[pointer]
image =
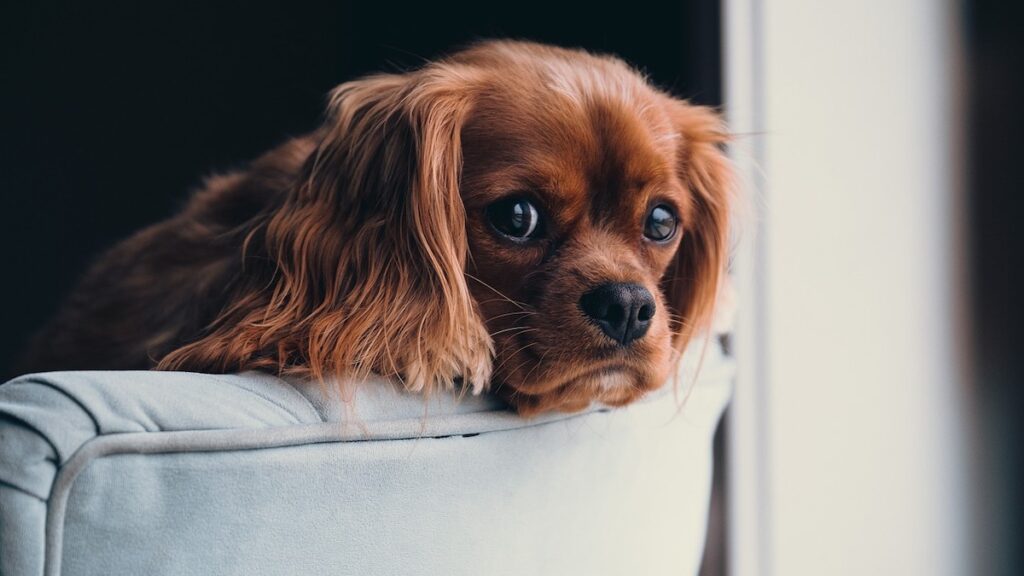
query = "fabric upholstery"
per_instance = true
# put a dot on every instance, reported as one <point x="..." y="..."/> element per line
<point x="177" y="473"/>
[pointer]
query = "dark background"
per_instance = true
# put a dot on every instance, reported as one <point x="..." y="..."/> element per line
<point x="995" y="185"/>
<point x="111" y="111"/>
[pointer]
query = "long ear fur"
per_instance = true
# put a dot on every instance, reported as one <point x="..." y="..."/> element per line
<point x="363" y="264"/>
<point x="693" y="280"/>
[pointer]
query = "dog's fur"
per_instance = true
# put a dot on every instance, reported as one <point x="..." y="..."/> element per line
<point x="363" y="247"/>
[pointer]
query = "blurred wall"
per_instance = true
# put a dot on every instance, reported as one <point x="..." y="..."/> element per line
<point x="851" y="407"/>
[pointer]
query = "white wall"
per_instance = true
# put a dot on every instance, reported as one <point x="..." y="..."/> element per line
<point x="847" y="437"/>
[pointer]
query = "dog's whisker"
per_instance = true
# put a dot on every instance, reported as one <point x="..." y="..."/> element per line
<point x="535" y="366"/>
<point x="518" y="313"/>
<point x="519" y="367"/>
<point x="513" y="355"/>
<point x="516" y="329"/>
<point x="488" y="301"/>
<point x="520" y="305"/>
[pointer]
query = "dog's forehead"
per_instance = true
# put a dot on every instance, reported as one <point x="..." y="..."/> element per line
<point x="603" y="151"/>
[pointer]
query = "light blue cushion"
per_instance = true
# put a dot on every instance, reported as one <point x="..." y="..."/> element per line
<point x="176" y="473"/>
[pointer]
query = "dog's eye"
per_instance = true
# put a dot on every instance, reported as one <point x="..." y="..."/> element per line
<point x="516" y="218"/>
<point x="660" y="224"/>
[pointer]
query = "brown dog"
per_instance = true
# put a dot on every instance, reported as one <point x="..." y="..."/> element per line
<point x="533" y="216"/>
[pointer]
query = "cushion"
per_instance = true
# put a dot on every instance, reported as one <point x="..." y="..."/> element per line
<point x="178" y="473"/>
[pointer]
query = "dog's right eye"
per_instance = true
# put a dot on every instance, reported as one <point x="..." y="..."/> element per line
<point x="515" y="218"/>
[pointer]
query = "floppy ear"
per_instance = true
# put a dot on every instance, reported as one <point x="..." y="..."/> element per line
<point x="368" y="250"/>
<point x="692" y="281"/>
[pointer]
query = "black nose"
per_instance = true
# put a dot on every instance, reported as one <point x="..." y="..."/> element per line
<point x="623" y="311"/>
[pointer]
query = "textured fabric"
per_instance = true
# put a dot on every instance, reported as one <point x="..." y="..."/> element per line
<point x="177" y="473"/>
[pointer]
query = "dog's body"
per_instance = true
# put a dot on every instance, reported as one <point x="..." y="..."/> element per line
<point x="537" y="215"/>
<point x="159" y="289"/>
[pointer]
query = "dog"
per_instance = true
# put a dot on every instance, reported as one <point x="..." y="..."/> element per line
<point x="535" y="219"/>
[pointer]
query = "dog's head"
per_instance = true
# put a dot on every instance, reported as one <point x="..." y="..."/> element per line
<point x="536" y="217"/>
<point x="596" y="214"/>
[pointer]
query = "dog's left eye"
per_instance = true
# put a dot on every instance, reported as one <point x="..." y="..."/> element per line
<point x="516" y="218"/>
<point x="661" y="223"/>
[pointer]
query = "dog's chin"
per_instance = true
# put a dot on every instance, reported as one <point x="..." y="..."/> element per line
<point x="611" y="385"/>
